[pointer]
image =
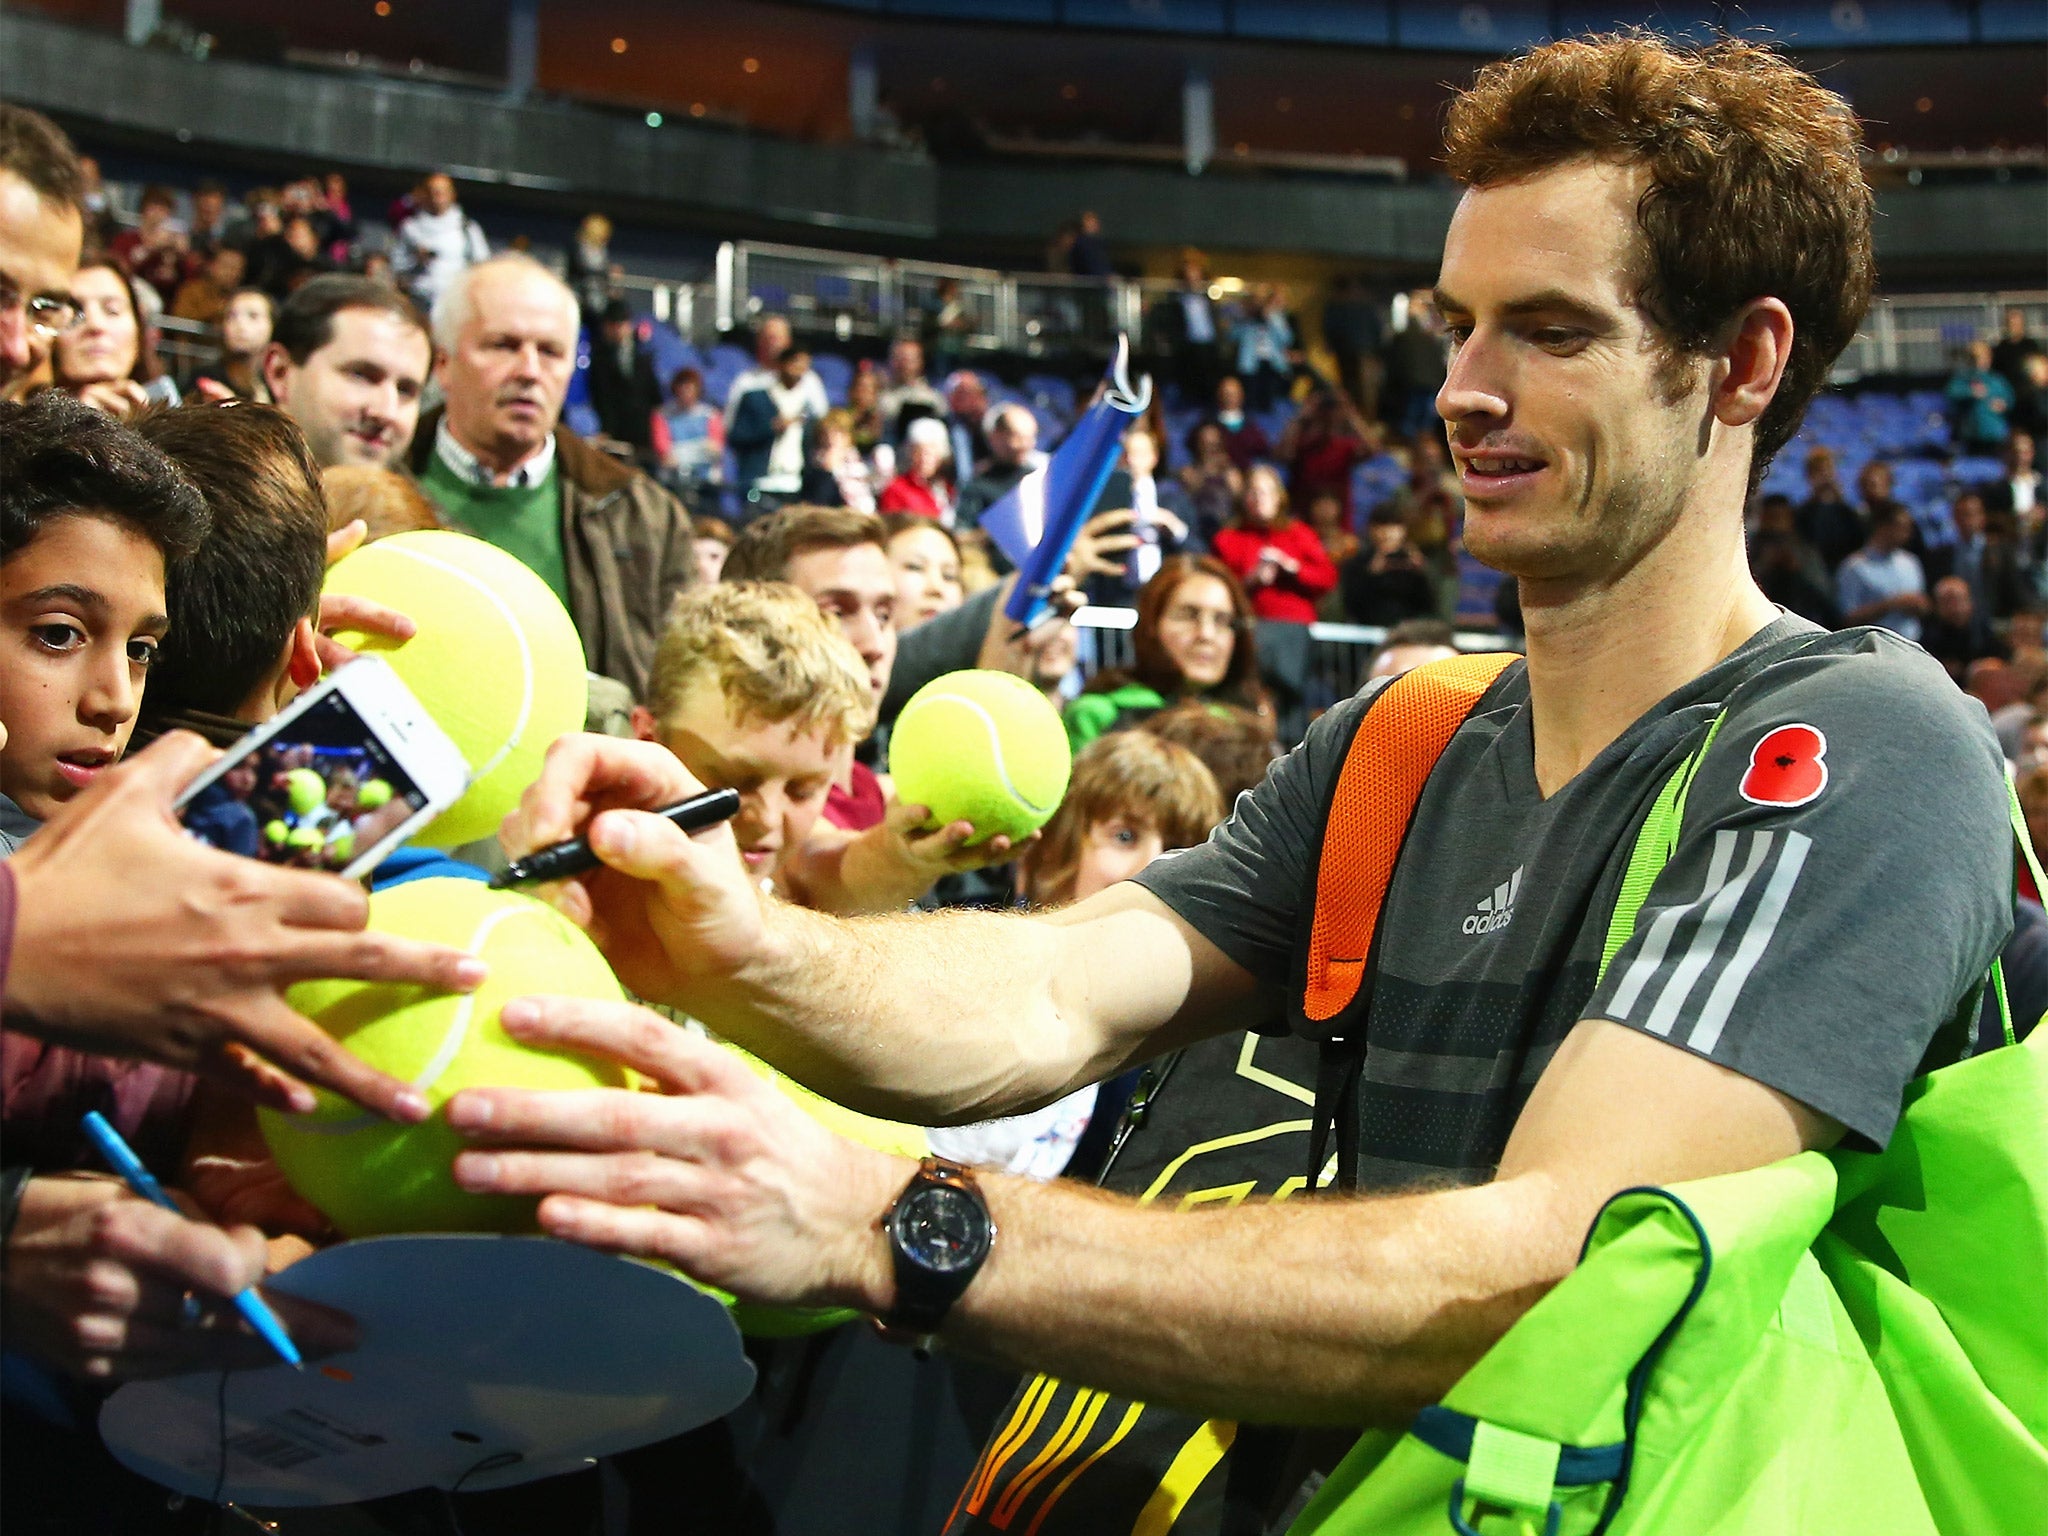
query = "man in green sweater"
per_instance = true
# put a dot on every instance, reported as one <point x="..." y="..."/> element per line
<point x="614" y="546"/>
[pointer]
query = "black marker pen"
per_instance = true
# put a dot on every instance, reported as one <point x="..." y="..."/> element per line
<point x="562" y="860"/>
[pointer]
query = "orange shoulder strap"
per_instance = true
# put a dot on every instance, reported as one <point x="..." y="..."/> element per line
<point x="1403" y="733"/>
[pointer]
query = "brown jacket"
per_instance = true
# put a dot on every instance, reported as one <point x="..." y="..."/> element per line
<point x="626" y="543"/>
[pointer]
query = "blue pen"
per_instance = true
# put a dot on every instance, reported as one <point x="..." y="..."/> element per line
<point x="121" y="1157"/>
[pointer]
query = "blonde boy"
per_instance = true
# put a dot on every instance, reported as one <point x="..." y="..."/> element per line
<point x="755" y="690"/>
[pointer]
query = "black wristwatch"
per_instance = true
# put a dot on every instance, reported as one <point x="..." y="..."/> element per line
<point x="939" y="1235"/>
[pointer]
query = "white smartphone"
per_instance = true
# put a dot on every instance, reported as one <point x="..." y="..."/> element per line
<point x="341" y="776"/>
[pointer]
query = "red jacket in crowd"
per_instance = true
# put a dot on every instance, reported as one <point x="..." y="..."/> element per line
<point x="1290" y="595"/>
<point x="904" y="494"/>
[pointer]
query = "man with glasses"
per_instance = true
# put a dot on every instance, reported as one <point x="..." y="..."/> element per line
<point x="41" y="230"/>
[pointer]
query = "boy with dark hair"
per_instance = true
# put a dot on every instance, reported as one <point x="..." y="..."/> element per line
<point x="243" y="608"/>
<point x="91" y="519"/>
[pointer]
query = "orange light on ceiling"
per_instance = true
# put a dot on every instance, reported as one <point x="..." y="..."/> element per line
<point x="751" y="66"/>
<point x="618" y="45"/>
<point x="1924" y="104"/>
<point x="1069" y="92"/>
<point x="1284" y="104"/>
<point x="382" y="7"/>
<point x="696" y="109"/>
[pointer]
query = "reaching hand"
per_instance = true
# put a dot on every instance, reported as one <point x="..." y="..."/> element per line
<point x="667" y="905"/>
<point x="343" y="610"/>
<point x="1006" y="648"/>
<point x="134" y="939"/>
<point x="894" y="862"/>
<point x="1098" y="542"/>
<point x="118" y="398"/>
<point x="718" y="1171"/>
<point x="105" y="1285"/>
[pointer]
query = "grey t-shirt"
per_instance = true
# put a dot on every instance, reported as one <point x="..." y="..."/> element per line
<point x="1840" y="887"/>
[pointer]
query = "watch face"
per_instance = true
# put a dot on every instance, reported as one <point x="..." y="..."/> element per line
<point x="941" y="1229"/>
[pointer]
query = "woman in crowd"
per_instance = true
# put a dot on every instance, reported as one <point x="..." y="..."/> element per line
<point x="1193" y="640"/>
<point x="920" y="490"/>
<point x="927" y="563"/>
<point x="245" y="328"/>
<point x="1279" y="559"/>
<point x="108" y="360"/>
<point x="864" y="405"/>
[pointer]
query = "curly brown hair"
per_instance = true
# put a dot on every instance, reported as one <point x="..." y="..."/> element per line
<point x="1755" y="189"/>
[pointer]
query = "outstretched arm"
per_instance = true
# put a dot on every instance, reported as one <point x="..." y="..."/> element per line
<point x="1351" y="1311"/>
<point x="938" y="1017"/>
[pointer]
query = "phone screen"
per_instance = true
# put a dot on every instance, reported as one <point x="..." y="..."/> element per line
<point x="321" y="791"/>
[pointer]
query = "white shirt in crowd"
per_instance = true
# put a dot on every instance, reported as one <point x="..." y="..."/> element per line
<point x="785" y="476"/>
<point x="432" y="247"/>
<point x="811" y="386"/>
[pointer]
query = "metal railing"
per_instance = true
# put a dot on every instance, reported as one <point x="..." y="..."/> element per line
<point x="186" y="347"/>
<point x="1038" y="314"/>
<point x="1923" y="332"/>
<point x="976" y="309"/>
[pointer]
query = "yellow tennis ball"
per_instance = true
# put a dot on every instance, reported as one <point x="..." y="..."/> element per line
<point x="983" y="747"/>
<point x="368" y="1175"/>
<point x="497" y="662"/>
<point x="372" y="793"/>
<point x="305" y="789"/>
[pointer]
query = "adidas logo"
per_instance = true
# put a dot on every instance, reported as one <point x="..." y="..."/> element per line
<point x="1495" y="912"/>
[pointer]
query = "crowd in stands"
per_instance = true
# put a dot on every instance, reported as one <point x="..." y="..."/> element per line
<point x="1325" y="496"/>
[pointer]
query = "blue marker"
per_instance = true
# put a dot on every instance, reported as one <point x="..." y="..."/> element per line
<point x="121" y="1157"/>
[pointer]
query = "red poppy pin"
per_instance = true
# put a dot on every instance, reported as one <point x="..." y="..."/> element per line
<point x="1788" y="767"/>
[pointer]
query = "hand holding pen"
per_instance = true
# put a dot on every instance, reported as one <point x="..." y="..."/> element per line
<point x="564" y="860"/>
<point x="191" y="1315"/>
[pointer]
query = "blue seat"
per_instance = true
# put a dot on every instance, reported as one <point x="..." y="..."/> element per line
<point x="835" y="373"/>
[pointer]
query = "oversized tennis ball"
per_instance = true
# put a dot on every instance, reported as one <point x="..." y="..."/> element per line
<point x="276" y="832"/>
<point x="368" y="1175"/>
<point x="983" y="747"/>
<point x="305" y="789"/>
<point x="305" y="837"/>
<point x="372" y="793"/>
<point x="496" y="663"/>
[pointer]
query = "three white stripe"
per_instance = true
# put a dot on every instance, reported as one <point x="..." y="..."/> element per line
<point x="1713" y="913"/>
